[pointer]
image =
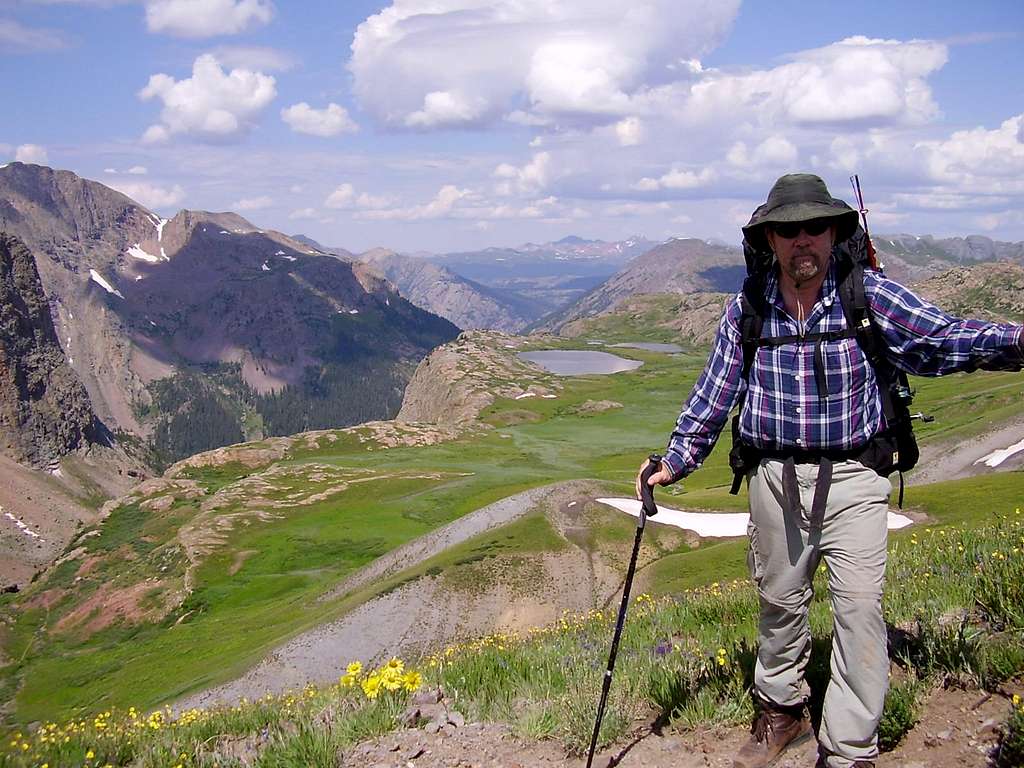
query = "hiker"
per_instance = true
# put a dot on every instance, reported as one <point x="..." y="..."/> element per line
<point x="817" y="437"/>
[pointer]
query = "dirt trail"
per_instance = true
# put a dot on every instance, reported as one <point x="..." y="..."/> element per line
<point x="958" y="729"/>
<point x="956" y="460"/>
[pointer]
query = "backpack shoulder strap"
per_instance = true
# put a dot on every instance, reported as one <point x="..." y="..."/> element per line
<point x="858" y="318"/>
<point x="752" y="312"/>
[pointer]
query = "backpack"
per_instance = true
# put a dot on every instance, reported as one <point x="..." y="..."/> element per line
<point x="894" y="449"/>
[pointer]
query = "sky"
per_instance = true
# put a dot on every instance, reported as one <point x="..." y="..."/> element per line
<point x="450" y="125"/>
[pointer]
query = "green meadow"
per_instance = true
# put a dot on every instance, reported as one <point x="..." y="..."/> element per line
<point x="273" y="549"/>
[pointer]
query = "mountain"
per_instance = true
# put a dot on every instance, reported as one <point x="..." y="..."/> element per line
<point x="549" y="275"/>
<point x="437" y="289"/>
<point x="911" y="258"/>
<point x="683" y="266"/>
<point x="45" y="411"/>
<point x="341" y="253"/>
<point x="56" y="458"/>
<point x="676" y="266"/>
<point x="987" y="291"/>
<point x="204" y="329"/>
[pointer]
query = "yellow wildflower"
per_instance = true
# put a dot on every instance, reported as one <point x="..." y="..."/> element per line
<point x="371" y="686"/>
<point x="412" y="681"/>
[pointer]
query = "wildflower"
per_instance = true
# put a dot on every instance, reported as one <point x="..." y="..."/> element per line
<point x="371" y="686"/>
<point x="412" y="681"/>
<point x="355" y="668"/>
<point x="90" y="755"/>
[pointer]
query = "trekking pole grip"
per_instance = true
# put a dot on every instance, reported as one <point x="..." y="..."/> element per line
<point x="649" y="508"/>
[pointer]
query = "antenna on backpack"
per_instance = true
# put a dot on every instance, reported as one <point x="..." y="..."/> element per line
<point x="872" y="257"/>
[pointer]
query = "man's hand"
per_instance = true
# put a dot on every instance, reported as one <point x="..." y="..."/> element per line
<point x="661" y="476"/>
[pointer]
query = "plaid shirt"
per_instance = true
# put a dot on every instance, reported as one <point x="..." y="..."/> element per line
<point x="783" y="409"/>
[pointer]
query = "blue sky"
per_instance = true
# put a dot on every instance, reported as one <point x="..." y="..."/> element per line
<point x="440" y="125"/>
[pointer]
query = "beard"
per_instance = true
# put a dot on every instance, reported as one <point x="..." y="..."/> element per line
<point x="804" y="265"/>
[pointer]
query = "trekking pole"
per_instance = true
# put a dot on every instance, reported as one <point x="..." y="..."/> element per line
<point x="647" y="509"/>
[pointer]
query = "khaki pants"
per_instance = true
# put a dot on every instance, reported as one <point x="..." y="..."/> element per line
<point x="786" y="546"/>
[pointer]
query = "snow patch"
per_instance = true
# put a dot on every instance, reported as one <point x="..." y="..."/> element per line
<point x="137" y="278"/>
<point x="549" y="397"/>
<point x="265" y="268"/>
<point x="22" y="527"/>
<point x="279" y="253"/>
<point x="526" y="394"/>
<point x="223" y="232"/>
<point x="353" y="311"/>
<point x="136" y="252"/>
<point x="996" y="458"/>
<point x="291" y="258"/>
<point x="160" y="238"/>
<point x="98" y="279"/>
<point x="714" y="524"/>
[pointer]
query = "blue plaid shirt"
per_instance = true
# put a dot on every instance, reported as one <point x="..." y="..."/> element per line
<point x="783" y="409"/>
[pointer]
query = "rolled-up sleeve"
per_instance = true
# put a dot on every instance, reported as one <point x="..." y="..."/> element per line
<point x="714" y="395"/>
<point x="923" y="340"/>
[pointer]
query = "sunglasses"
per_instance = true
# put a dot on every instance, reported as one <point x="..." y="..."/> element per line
<point x="791" y="229"/>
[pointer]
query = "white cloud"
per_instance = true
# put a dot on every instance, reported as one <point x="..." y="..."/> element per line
<point x="331" y="121"/>
<point x="302" y="214"/>
<point x="17" y="38"/>
<point x="150" y="195"/>
<point x="676" y="178"/>
<point x="773" y="151"/>
<point x="31" y="153"/>
<point x="135" y="170"/>
<point x="856" y="80"/>
<point x="440" y="63"/>
<point x="979" y="159"/>
<point x="444" y="108"/>
<point x="252" y="203"/>
<point x="211" y="104"/>
<point x="441" y="206"/>
<point x="629" y="131"/>
<point x="206" y="18"/>
<point x="345" y="197"/>
<point x="528" y="179"/>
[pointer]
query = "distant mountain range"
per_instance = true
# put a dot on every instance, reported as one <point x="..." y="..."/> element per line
<point x="203" y="330"/>
<point x="685" y="266"/>
<point x="503" y="289"/>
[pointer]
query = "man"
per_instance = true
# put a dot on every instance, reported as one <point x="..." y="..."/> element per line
<point x="810" y="413"/>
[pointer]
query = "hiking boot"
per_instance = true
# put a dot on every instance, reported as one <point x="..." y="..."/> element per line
<point x="774" y="730"/>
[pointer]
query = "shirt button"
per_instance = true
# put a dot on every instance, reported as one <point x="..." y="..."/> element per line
<point x="796" y="376"/>
<point x="799" y="441"/>
<point x="798" y="409"/>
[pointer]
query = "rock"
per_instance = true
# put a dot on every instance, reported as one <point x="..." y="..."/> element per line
<point x="45" y="412"/>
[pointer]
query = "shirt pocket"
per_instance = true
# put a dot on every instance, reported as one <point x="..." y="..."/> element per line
<point x="845" y="368"/>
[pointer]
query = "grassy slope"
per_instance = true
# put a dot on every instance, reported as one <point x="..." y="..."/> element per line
<point x="233" y="619"/>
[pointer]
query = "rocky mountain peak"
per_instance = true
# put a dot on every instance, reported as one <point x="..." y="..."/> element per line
<point x="44" y="409"/>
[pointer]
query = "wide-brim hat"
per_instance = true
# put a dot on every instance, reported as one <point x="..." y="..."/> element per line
<point x="799" y="197"/>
